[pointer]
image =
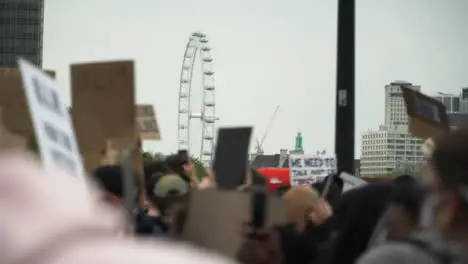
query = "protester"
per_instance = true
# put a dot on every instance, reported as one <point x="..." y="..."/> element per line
<point x="353" y="221"/>
<point x="334" y="191"/>
<point x="304" y="211"/>
<point x="168" y="190"/>
<point x="56" y="218"/>
<point x="110" y="179"/>
<point x="447" y="240"/>
<point x="263" y="246"/>
<point x="402" y="217"/>
<point x="183" y="166"/>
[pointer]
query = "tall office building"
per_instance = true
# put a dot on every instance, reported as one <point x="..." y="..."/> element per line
<point x="456" y="106"/>
<point x="451" y="102"/>
<point x="395" y="109"/>
<point x="391" y="147"/>
<point x="21" y="31"/>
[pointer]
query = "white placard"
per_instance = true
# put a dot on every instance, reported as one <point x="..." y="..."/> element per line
<point x="52" y="123"/>
<point x="350" y="181"/>
<point x="307" y="169"/>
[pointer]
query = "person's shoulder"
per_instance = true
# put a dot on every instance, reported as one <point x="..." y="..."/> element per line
<point x="400" y="253"/>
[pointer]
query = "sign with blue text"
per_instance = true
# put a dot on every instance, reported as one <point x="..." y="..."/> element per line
<point x="307" y="169"/>
<point x="52" y="123"/>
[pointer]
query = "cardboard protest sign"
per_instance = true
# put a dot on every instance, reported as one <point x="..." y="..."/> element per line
<point x="146" y="123"/>
<point x="427" y="116"/>
<point x="222" y="213"/>
<point x="16" y="117"/>
<point x="231" y="156"/>
<point x="103" y="107"/>
<point x="52" y="123"/>
<point x="307" y="169"/>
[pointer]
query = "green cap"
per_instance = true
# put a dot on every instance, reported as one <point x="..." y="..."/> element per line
<point x="170" y="185"/>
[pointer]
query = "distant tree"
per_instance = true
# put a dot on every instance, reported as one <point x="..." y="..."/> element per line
<point x="199" y="168"/>
<point x="147" y="156"/>
<point x="158" y="156"/>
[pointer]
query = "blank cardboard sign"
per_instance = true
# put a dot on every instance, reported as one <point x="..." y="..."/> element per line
<point x="16" y="117"/>
<point x="214" y="219"/>
<point x="231" y="155"/>
<point x="103" y="106"/>
<point x="146" y="123"/>
<point x="427" y="116"/>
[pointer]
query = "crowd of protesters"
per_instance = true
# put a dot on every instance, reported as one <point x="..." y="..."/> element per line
<point x="412" y="219"/>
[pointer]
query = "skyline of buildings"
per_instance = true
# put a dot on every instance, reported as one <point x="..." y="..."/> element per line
<point x="390" y="147"/>
<point x="21" y="31"/>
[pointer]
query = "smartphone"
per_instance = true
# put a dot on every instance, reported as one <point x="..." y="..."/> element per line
<point x="259" y="205"/>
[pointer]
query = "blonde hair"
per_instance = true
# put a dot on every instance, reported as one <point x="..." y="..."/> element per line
<point x="304" y="198"/>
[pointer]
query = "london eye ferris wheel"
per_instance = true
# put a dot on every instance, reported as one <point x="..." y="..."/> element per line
<point x="197" y="45"/>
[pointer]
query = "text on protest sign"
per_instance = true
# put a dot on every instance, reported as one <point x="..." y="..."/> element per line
<point x="307" y="169"/>
<point x="146" y="122"/>
<point x="52" y="124"/>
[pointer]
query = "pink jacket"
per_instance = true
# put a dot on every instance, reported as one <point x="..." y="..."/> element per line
<point x="55" y="219"/>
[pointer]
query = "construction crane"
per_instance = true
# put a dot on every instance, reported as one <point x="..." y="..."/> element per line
<point x="259" y="143"/>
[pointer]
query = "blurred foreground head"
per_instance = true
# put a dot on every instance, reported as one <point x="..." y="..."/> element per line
<point x="302" y="203"/>
<point x="450" y="165"/>
<point x="53" y="218"/>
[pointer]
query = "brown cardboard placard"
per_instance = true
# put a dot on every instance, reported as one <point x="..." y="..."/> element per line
<point x="147" y="123"/>
<point x="16" y="117"/>
<point x="103" y="106"/>
<point x="215" y="218"/>
<point x="9" y="140"/>
<point x="427" y="117"/>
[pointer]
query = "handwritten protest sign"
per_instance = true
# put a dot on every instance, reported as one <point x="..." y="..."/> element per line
<point x="15" y="112"/>
<point x="103" y="107"/>
<point x="307" y="169"/>
<point x="427" y="116"/>
<point x="51" y="121"/>
<point x="146" y="122"/>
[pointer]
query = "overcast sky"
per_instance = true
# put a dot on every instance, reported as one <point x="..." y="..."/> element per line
<point x="266" y="53"/>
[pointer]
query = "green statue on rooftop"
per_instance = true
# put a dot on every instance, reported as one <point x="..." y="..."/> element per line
<point x="298" y="146"/>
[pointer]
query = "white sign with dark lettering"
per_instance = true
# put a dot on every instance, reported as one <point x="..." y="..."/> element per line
<point x="307" y="169"/>
<point x="52" y="123"/>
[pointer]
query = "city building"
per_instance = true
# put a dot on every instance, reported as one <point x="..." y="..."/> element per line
<point x="21" y="31"/>
<point x="450" y="101"/>
<point x="456" y="106"/>
<point x="457" y="119"/>
<point x="386" y="150"/>
<point x="395" y="109"/>
<point x="281" y="160"/>
<point x="391" y="147"/>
